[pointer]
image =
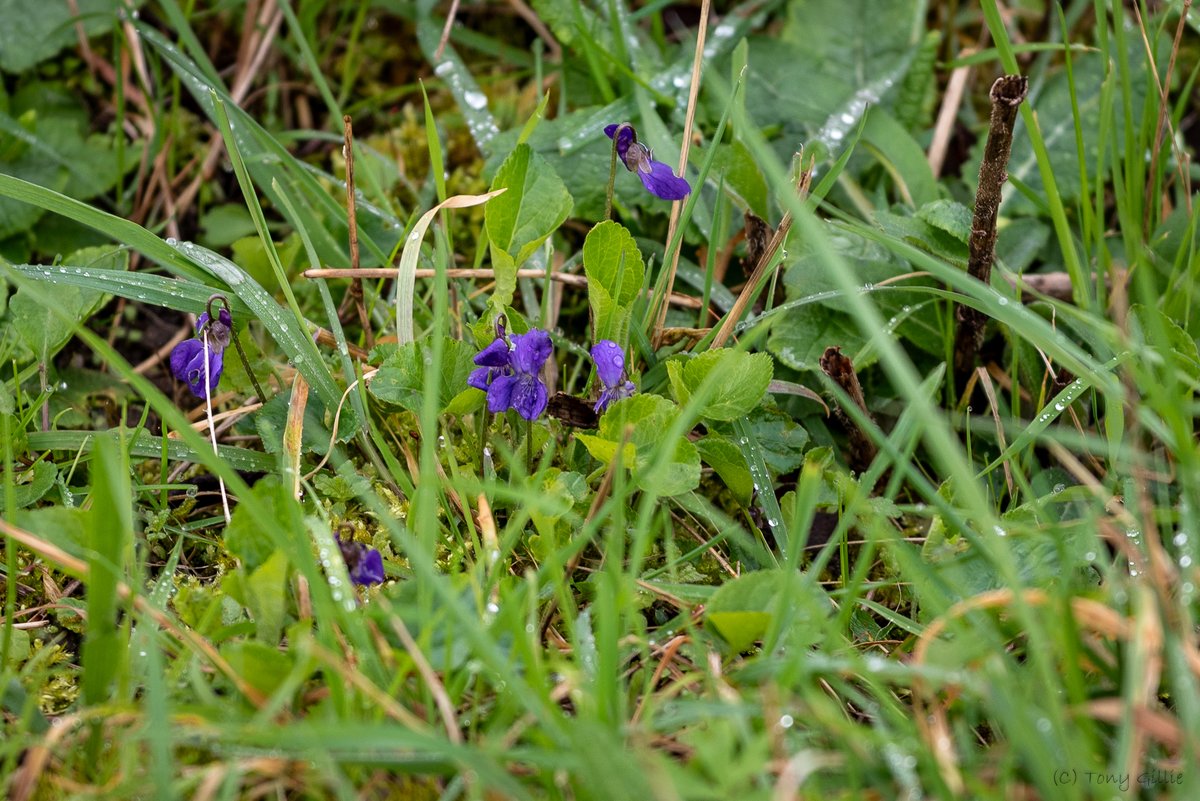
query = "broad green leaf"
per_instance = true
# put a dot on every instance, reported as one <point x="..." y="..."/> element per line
<point x="66" y="527"/>
<point x="803" y="334"/>
<point x="799" y="339"/>
<point x="742" y="176"/>
<point x="35" y="31"/>
<point x="245" y="536"/>
<point x="727" y="460"/>
<point x="521" y="219"/>
<point x="743" y="610"/>
<point x="781" y="438"/>
<point x="222" y="225"/>
<point x="46" y="140"/>
<point x="560" y="492"/>
<point x="266" y="589"/>
<point x="925" y="234"/>
<point x="851" y="54"/>
<point x="263" y="667"/>
<point x="950" y="216"/>
<point x="615" y="271"/>
<point x="647" y="417"/>
<point x="741" y="381"/>
<point x="903" y="157"/>
<point x="401" y="377"/>
<point x="45" y="320"/>
<point x="271" y="420"/>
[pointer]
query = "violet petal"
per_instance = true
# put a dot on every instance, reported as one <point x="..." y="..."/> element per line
<point x="661" y="182"/>
<point x="627" y="138"/>
<point x="369" y="569"/>
<point x="494" y="355"/>
<point x="529" y="396"/>
<point x="480" y="378"/>
<point x="500" y="392"/>
<point x="610" y="362"/>
<point x="182" y="356"/>
<point x="530" y="351"/>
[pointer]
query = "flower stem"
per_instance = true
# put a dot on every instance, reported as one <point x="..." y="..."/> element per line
<point x="529" y="446"/>
<point x="612" y="170"/>
<point x="262" y="397"/>
<point x="212" y="431"/>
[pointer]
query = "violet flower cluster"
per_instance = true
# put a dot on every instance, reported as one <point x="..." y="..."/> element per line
<point x="510" y="372"/>
<point x="188" y="359"/>
<point x="658" y="178"/>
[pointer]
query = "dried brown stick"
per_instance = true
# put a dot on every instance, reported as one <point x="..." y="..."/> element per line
<point x="1007" y="93"/>
<point x="354" y="295"/>
<point x="445" y="37"/>
<point x="570" y="279"/>
<point x="840" y="370"/>
<point x="750" y="289"/>
<point x="660" y="313"/>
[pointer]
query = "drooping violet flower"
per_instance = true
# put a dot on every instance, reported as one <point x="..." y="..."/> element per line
<point x="658" y="178"/>
<point x="610" y="368"/>
<point x="364" y="563"/>
<point x="521" y="387"/>
<point x="212" y="337"/>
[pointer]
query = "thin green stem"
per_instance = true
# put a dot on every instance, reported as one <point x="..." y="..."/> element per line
<point x="612" y="168"/>
<point x="258" y="390"/>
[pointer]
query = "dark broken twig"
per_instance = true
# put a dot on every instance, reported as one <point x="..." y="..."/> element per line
<point x="1007" y="93"/>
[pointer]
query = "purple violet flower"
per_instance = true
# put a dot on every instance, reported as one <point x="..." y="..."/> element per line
<point x="188" y="357"/>
<point x="658" y="178"/>
<point x="520" y="387"/>
<point x="610" y="368"/>
<point x="364" y="563"/>
<point x="493" y="361"/>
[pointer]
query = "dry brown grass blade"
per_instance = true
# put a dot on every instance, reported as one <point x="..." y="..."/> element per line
<point x="764" y="262"/>
<point x="440" y="697"/>
<point x="668" y="655"/>
<point x="354" y="295"/>
<point x="660" y="314"/>
<point x="352" y="676"/>
<point x="569" y="279"/>
<point x="1151" y="723"/>
<point x="989" y="392"/>
<point x="293" y="432"/>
